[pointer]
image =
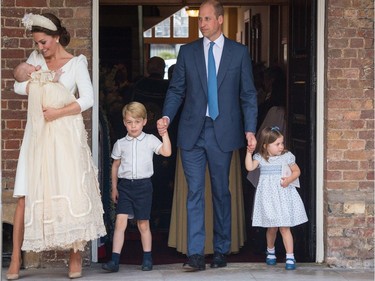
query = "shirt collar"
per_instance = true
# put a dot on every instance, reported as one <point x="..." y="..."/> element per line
<point x="140" y="137"/>
<point x="219" y="41"/>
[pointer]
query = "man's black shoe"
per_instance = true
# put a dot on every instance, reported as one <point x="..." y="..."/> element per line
<point x="194" y="263"/>
<point x="219" y="260"/>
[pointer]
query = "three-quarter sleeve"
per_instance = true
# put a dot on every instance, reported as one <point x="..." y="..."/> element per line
<point x="84" y="85"/>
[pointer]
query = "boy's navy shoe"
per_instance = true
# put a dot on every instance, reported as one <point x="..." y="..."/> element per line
<point x="147" y="265"/>
<point x="110" y="266"/>
<point x="194" y="263"/>
<point x="219" y="260"/>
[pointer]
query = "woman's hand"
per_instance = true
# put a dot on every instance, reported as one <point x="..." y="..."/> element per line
<point x="51" y="114"/>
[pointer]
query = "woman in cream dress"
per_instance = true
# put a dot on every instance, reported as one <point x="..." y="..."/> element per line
<point x="56" y="180"/>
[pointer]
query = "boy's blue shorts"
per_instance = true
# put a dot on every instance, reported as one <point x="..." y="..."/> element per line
<point x="135" y="198"/>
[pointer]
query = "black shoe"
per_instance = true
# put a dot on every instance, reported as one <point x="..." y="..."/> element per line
<point x="194" y="263"/>
<point x="110" y="266"/>
<point x="219" y="260"/>
<point x="147" y="264"/>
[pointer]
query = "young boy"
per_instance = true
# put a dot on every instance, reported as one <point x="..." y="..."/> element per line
<point x="132" y="169"/>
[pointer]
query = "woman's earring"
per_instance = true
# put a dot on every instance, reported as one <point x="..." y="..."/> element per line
<point x="57" y="41"/>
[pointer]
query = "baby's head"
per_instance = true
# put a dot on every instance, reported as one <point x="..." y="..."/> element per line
<point x="22" y="71"/>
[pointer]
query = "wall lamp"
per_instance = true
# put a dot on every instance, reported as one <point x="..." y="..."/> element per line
<point x="192" y="11"/>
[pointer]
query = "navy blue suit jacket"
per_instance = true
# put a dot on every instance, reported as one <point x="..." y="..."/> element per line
<point x="237" y="95"/>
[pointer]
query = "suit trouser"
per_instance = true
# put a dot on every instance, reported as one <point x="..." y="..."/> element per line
<point x="194" y="162"/>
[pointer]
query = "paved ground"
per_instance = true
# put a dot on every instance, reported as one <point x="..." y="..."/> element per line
<point x="233" y="272"/>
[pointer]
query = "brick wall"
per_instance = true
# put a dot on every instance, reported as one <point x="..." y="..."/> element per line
<point x="16" y="45"/>
<point x="349" y="120"/>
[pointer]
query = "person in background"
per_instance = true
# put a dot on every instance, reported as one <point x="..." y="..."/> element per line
<point x="219" y="112"/>
<point x="277" y="204"/>
<point x="132" y="169"/>
<point x="76" y="226"/>
<point x="274" y="93"/>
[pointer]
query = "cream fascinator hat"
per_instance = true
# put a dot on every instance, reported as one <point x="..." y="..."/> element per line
<point x="30" y="20"/>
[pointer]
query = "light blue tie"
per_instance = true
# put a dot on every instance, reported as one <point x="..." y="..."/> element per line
<point x="213" y="108"/>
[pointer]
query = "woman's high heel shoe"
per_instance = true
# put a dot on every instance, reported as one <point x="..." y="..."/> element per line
<point x="77" y="273"/>
<point x="13" y="276"/>
<point x="74" y="275"/>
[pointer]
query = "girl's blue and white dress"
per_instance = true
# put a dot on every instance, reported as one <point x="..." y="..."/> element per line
<point x="274" y="205"/>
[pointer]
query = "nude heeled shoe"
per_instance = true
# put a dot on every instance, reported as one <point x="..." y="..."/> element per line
<point x="76" y="274"/>
<point x="13" y="276"/>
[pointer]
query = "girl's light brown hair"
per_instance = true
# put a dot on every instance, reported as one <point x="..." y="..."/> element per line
<point x="135" y="109"/>
<point x="267" y="135"/>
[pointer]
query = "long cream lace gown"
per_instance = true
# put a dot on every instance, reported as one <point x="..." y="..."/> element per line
<point x="63" y="205"/>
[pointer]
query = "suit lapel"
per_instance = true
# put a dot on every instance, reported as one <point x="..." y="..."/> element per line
<point x="226" y="58"/>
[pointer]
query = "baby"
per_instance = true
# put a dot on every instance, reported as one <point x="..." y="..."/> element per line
<point x="25" y="71"/>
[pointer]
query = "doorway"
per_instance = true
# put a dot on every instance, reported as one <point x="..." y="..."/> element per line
<point x="300" y="133"/>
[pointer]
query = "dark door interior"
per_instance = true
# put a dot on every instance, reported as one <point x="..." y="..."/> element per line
<point x="302" y="115"/>
<point x="301" y="133"/>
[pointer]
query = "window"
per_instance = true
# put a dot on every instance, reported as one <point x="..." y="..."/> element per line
<point x="177" y="25"/>
<point x="163" y="29"/>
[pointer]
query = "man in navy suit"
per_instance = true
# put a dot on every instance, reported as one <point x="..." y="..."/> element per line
<point x="204" y="139"/>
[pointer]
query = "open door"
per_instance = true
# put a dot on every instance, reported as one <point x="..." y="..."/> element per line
<point x="301" y="110"/>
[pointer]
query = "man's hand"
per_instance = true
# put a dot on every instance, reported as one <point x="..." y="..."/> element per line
<point x="162" y="125"/>
<point x="251" y="141"/>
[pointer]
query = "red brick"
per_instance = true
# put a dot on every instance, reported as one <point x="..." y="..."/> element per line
<point x="14" y="124"/>
<point x="354" y="175"/>
<point x="32" y="4"/>
<point x="11" y="144"/>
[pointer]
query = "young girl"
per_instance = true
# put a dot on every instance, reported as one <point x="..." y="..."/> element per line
<point x="277" y="204"/>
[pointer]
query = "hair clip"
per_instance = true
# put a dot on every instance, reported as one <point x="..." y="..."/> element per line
<point x="275" y="128"/>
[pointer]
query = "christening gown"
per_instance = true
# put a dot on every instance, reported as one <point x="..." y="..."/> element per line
<point x="63" y="202"/>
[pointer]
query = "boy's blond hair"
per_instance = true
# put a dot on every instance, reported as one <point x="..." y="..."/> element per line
<point x="135" y="109"/>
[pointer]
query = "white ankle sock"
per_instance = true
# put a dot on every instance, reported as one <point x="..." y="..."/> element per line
<point x="271" y="253"/>
<point x="290" y="256"/>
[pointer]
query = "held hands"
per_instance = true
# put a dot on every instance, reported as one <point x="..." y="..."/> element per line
<point x="162" y="125"/>
<point x="251" y="142"/>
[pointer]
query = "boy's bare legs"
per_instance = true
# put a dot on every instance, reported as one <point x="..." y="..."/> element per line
<point x="118" y="242"/>
<point x="146" y="238"/>
<point x="18" y="232"/>
<point x="119" y="234"/>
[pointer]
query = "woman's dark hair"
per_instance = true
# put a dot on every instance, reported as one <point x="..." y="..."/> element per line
<point x="64" y="36"/>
